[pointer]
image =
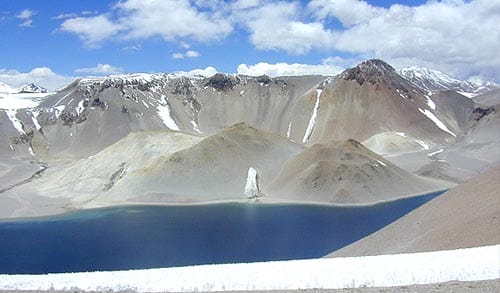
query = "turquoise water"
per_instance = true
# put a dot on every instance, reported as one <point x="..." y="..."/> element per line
<point x="140" y="237"/>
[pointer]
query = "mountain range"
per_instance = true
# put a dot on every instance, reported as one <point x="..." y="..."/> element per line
<point x="369" y="134"/>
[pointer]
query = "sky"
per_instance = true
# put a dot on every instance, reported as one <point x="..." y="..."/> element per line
<point x="51" y="42"/>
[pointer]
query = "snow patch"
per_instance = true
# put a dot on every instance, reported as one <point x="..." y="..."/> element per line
<point x="34" y="116"/>
<point x="15" y="122"/>
<point x="435" y="153"/>
<point x="382" y="163"/>
<point x="471" y="264"/>
<point x="289" y="130"/>
<point x="59" y="109"/>
<point x="20" y="101"/>
<point x="430" y="102"/>
<point x="79" y="109"/>
<point x="436" y="121"/>
<point x="312" y="121"/>
<point x="64" y="97"/>
<point x="145" y="104"/>
<point x="242" y="93"/>
<point x="468" y="95"/>
<point x="165" y="115"/>
<point x="400" y="94"/>
<point x="195" y="126"/>
<point x="423" y="144"/>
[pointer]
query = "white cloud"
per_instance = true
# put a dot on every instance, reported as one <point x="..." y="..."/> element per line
<point x="100" y="69"/>
<point x="207" y="72"/>
<point x="26" y="16"/>
<point x="65" y="16"/>
<point x="89" y="12"/>
<point x="276" y="26"/>
<point x="349" y="12"/>
<point x="171" y="19"/>
<point x="142" y="19"/>
<point x="245" y="4"/>
<point x="455" y="36"/>
<point x="192" y="54"/>
<point x="458" y="37"/>
<point x="92" y="30"/>
<point x="285" y="69"/>
<point x="133" y="48"/>
<point x="43" y="76"/>
<point x="177" y="56"/>
<point x="187" y="54"/>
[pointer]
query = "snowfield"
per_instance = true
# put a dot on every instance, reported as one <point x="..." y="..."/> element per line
<point x="471" y="264"/>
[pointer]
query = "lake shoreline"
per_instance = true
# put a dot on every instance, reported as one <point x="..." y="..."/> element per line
<point x="147" y="236"/>
<point x="63" y="210"/>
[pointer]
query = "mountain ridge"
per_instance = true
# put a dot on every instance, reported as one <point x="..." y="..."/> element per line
<point x="416" y="132"/>
<point x="435" y="81"/>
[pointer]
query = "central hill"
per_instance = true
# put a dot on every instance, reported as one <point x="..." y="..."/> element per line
<point x="345" y="172"/>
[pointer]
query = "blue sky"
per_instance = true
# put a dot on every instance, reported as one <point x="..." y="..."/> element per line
<point x="53" y="41"/>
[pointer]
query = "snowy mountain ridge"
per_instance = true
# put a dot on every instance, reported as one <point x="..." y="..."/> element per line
<point x="25" y="89"/>
<point x="434" y="81"/>
<point x="32" y="88"/>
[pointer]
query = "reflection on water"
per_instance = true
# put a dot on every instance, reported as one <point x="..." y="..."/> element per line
<point x="151" y="236"/>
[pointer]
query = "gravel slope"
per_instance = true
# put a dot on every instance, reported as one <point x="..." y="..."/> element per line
<point x="466" y="216"/>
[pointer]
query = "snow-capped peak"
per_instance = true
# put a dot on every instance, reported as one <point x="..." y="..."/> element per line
<point x="32" y="88"/>
<point x="5" y="88"/>
<point x="433" y="80"/>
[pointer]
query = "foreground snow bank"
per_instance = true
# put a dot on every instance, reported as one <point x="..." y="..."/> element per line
<point x="472" y="264"/>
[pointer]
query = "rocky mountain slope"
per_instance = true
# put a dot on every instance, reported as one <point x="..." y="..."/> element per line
<point x="308" y="109"/>
<point x="70" y="144"/>
<point x="489" y="98"/>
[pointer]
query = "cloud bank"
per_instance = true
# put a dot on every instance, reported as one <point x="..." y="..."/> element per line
<point x="455" y="36"/>
<point x="100" y="69"/>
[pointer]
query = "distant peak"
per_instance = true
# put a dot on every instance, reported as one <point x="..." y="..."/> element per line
<point x="431" y="80"/>
<point x="32" y="88"/>
<point x="368" y="71"/>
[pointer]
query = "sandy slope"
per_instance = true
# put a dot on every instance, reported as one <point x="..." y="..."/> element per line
<point x="466" y="216"/>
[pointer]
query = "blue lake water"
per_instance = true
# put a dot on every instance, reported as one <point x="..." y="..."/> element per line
<point x="141" y="237"/>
